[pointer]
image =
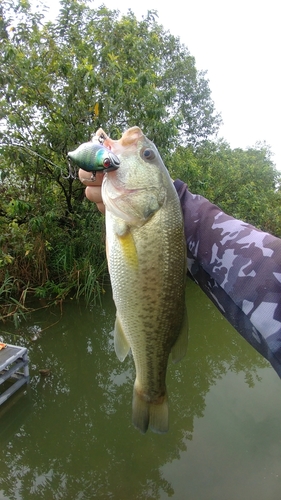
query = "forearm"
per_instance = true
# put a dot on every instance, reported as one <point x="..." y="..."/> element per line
<point x="239" y="267"/>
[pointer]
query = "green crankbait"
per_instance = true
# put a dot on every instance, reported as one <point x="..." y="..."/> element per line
<point x="94" y="157"/>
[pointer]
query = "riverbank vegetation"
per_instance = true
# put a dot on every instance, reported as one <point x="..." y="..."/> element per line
<point x="63" y="79"/>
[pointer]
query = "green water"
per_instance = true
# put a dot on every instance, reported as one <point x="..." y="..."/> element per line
<point x="69" y="436"/>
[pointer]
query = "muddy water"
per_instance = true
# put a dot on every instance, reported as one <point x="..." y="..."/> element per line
<point x="69" y="436"/>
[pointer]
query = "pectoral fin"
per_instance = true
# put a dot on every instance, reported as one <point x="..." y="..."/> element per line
<point x="180" y="347"/>
<point x="129" y="249"/>
<point x="121" y="344"/>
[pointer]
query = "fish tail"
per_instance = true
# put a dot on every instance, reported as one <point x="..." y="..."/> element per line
<point x="153" y="415"/>
<point x="158" y="416"/>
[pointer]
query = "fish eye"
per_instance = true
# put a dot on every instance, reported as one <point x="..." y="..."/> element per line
<point x="148" y="154"/>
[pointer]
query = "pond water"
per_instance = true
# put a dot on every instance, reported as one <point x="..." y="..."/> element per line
<point x="69" y="435"/>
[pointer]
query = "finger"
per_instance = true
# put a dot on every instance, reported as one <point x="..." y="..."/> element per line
<point x="93" y="193"/>
<point x="101" y="207"/>
<point x="90" y="179"/>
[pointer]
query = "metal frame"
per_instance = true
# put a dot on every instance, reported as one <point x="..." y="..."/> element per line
<point x="13" y="365"/>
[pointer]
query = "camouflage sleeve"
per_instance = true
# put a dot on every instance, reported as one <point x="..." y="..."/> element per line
<point x="239" y="268"/>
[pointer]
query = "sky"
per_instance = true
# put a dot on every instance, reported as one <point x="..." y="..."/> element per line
<point x="238" y="43"/>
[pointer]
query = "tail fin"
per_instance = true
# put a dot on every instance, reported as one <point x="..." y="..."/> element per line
<point x="151" y="415"/>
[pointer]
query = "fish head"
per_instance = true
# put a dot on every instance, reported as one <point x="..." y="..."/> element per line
<point x="140" y="161"/>
<point x="139" y="187"/>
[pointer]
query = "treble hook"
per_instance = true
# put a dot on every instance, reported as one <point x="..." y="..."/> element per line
<point x="72" y="172"/>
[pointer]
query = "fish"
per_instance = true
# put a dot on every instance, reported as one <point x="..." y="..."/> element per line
<point x="146" y="254"/>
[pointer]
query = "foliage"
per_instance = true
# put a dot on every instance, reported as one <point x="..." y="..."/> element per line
<point x="53" y="257"/>
<point x="241" y="182"/>
<point x="90" y="68"/>
<point x="60" y="81"/>
<point x="9" y="306"/>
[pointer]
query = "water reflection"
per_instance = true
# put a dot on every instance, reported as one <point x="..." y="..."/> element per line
<point x="70" y="436"/>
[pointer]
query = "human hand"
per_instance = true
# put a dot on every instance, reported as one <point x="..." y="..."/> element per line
<point x="93" y="189"/>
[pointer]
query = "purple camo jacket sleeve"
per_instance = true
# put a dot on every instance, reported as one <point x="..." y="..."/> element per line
<point x="239" y="268"/>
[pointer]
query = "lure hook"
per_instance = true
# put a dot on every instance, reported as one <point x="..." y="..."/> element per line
<point x="72" y="172"/>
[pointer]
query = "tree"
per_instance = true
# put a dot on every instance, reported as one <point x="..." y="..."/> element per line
<point x="60" y="82"/>
<point x="242" y="182"/>
<point x="90" y="68"/>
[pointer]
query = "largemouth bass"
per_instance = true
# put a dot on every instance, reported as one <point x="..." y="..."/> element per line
<point x="146" y="253"/>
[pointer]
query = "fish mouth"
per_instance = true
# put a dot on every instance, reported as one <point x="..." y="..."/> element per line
<point x="117" y="198"/>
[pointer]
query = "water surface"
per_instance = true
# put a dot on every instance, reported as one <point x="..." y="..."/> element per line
<point x="69" y="436"/>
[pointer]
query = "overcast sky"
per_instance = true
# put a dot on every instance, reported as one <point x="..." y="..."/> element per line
<point x="238" y="43"/>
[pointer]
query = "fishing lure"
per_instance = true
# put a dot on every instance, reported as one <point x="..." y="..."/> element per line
<point x="94" y="157"/>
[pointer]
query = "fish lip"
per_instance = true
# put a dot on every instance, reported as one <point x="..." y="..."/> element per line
<point x="112" y="199"/>
<point x="118" y="188"/>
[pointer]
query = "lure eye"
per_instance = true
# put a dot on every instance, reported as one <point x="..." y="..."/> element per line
<point x="148" y="154"/>
<point x="106" y="163"/>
